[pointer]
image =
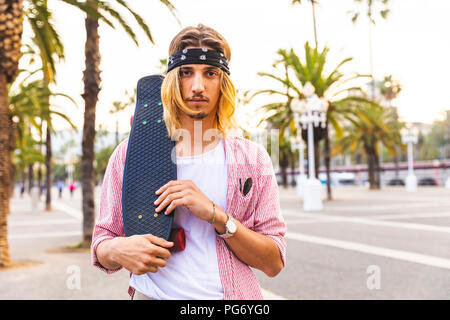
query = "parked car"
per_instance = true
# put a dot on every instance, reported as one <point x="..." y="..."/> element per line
<point x="427" y="181"/>
<point x="396" y="182"/>
<point x="339" y="178"/>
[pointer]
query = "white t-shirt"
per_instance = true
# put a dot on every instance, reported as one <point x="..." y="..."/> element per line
<point x="194" y="272"/>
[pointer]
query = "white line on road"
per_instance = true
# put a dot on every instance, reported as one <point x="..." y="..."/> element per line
<point x="368" y="249"/>
<point x="388" y="206"/>
<point x="375" y="222"/>
<point x="308" y="221"/>
<point x="411" y="215"/>
<point x="268" y="295"/>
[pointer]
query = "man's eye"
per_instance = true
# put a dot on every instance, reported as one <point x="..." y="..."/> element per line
<point x="184" y="72"/>
<point x="212" y="73"/>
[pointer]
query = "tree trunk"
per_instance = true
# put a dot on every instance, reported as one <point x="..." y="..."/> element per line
<point x="11" y="15"/>
<point x="48" y="169"/>
<point x="284" y="163"/>
<point x="12" y="146"/>
<point x="12" y="177"/>
<point x="396" y="162"/>
<point x="39" y="178"/>
<point x="314" y="21"/>
<point x="30" y="177"/>
<point x="39" y="171"/>
<point x="371" y="167"/>
<point x="316" y="157"/>
<point x="328" y="163"/>
<point x="91" y="80"/>
<point x="293" y="167"/>
<point x="377" y="170"/>
<point x="5" y="259"/>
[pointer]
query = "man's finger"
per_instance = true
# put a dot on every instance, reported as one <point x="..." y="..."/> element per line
<point x="168" y="184"/>
<point x="167" y="191"/>
<point x="170" y="199"/>
<point x="157" y="262"/>
<point x="175" y="203"/>
<point x="158" y="241"/>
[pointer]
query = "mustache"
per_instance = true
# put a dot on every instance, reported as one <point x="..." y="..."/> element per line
<point x="198" y="97"/>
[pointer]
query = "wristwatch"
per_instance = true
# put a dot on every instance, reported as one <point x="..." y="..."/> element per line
<point x="230" y="227"/>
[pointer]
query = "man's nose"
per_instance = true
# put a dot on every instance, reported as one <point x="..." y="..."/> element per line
<point x="198" y="83"/>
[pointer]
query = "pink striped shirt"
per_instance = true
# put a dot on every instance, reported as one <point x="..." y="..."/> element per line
<point x="259" y="211"/>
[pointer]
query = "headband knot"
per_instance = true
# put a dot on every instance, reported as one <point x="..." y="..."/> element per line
<point x="198" y="56"/>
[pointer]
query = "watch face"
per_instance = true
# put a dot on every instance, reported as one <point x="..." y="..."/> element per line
<point x="231" y="226"/>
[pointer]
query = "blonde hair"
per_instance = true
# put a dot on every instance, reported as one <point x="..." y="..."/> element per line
<point x="171" y="87"/>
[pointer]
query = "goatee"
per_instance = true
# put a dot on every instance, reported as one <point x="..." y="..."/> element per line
<point x="200" y="115"/>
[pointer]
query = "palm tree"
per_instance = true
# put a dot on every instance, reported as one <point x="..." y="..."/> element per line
<point x="10" y="41"/>
<point x="26" y="154"/>
<point x="47" y="41"/>
<point x="313" y="3"/>
<point x="371" y="123"/>
<point x="98" y="10"/>
<point x="119" y="106"/>
<point x="371" y="8"/>
<point x="29" y="107"/>
<point x="390" y="89"/>
<point x="327" y="85"/>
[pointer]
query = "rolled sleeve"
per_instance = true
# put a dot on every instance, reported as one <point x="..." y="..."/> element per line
<point x="109" y="223"/>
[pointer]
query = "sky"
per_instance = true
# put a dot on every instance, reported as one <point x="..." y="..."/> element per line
<point x="412" y="45"/>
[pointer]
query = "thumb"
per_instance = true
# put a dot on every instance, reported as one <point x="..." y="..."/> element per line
<point x="157" y="240"/>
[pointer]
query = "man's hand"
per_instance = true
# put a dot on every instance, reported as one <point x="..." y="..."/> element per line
<point x="177" y="193"/>
<point x="140" y="254"/>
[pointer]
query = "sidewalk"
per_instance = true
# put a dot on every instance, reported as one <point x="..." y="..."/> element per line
<point x="405" y="234"/>
<point x="44" y="270"/>
<point x="37" y="239"/>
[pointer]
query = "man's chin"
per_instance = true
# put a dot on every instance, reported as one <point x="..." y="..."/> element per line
<point x="197" y="116"/>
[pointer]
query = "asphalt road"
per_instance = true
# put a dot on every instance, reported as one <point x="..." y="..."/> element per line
<point x="401" y="238"/>
<point x="385" y="244"/>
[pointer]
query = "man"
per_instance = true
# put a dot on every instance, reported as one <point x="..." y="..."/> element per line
<point x="225" y="198"/>
<point x="60" y="185"/>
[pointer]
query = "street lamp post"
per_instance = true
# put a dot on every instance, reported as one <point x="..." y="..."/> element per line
<point x="409" y="137"/>
<point x="297" y="144"/>
<point x="310" y="112"/>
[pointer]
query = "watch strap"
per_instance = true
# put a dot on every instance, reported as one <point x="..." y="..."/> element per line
<point x="227" y="234"/>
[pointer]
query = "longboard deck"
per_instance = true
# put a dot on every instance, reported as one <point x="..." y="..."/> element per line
<point x="148" y="164"/>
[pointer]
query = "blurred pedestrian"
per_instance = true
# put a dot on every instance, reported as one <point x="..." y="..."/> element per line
<point x="72" y="189"/>
<point x="22" y="188"/>
<point x="60" y="185"/>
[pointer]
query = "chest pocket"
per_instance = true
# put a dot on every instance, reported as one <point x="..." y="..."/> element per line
<point x="243" y="204"/>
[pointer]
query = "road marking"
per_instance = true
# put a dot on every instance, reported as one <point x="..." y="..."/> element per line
<point x="374" y="250"/>
<point x="411" y="216"/>
<point x="268" y="295"/>
<point x="308" y="221"/>
<point x="44" y="235"/>
<point x="394" y="206"/>
<point x="375" y="222"/>
<point x="43" y="222"/>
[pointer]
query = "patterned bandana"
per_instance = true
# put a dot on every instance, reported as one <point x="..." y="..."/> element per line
<point x="198" y="56"/>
